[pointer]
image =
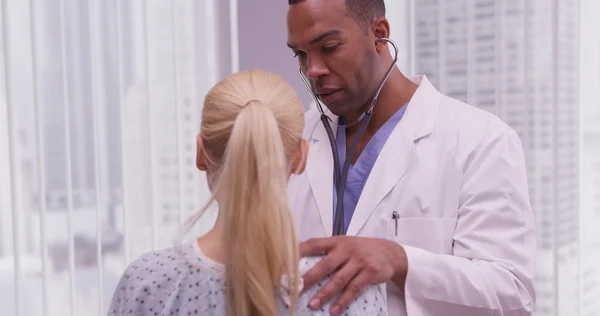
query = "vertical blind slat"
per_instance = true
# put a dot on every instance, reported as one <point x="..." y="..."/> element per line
<point x="177" y="113"/>
<point x="124" y="182"/>
<point x="14" y="178"/>
<point x="41" y="166"/>
<point x="555" y="185"/>
<point x="154" y="224"/>
<point x="470" y="51"/>
<point x="499" y="73"/>
<point x="69" y="171"/>
<point x="441" y="30"/>
<point x="96" y="126"/>
<point x="233" y="24"/>
<point x="412" y="37"/>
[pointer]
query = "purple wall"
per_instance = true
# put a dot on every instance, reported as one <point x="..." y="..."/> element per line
<point x="262" y="41"/>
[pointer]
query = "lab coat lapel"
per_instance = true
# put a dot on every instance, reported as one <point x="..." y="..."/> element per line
<point x="398" y="152"/>
<point x="320" y="172"/>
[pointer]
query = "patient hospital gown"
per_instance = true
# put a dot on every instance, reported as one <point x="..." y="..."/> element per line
<point x="183" y="281"/>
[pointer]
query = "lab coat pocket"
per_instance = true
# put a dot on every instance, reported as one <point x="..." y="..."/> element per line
<point x="432" y="234"/>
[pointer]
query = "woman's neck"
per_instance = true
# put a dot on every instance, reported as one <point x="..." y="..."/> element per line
<point x="211" y="244"/>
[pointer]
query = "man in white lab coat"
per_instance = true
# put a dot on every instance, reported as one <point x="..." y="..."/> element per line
<point x="436" y="205"/>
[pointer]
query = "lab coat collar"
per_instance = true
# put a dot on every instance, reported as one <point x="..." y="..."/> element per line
<point x="420" y="115"/>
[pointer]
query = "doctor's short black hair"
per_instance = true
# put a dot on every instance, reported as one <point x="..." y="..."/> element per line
<point x="363" y="11"/>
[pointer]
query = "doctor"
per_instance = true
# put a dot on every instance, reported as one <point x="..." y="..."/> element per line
<point x="436" y="204"/>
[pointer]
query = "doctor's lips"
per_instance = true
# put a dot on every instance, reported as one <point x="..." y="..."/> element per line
<point x="327" y="94"/>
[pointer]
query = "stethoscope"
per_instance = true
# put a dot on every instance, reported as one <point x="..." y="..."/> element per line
<point x="340" y="179"/>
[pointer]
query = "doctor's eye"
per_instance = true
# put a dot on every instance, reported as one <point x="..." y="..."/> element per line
<point x="330" y="48"/>
<point x="299" y="55"/>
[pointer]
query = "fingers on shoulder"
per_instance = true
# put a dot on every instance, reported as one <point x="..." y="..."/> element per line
<point x="316" y="246"/>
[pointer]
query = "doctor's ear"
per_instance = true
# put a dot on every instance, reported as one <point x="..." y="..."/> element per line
<point x="200" y="160"/>
<point x="381" y="29"/>
<point x="300" y="160"/>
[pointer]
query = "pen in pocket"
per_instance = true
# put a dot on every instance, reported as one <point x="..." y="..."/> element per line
<point x="395" y="217"/>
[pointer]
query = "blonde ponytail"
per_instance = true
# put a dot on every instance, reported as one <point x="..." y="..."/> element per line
<point x="257" y="223"/>
<point x="251" y="129"/>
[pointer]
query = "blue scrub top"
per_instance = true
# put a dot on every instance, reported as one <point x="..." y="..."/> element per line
<point x="359" y="172"/>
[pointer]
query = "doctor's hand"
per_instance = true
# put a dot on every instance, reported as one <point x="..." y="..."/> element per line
<point x="353" y="263"/>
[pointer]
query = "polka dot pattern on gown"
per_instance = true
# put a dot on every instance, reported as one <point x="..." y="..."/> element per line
<point x="185" y="282"/>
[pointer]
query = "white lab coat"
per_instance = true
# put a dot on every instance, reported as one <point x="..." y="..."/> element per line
<point x="457" y="177"/>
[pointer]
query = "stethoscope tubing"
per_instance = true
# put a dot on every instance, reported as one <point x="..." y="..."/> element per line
<point x="341" y="176"/>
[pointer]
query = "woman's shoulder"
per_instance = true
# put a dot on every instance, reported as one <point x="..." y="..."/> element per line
<point x="372" y="300"/>
<point x="169" y="279"/>
<point x="169" y="264"/>
<point x="181" y="280"/>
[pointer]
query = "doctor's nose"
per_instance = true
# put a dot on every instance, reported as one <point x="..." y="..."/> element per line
<point x="316" y="69"/>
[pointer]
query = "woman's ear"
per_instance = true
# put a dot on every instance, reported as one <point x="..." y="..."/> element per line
<point x="200" y="160"/>
<point x="301" y="156"/>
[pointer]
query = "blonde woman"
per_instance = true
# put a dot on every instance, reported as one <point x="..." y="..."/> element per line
<point x="250" y="143"/>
